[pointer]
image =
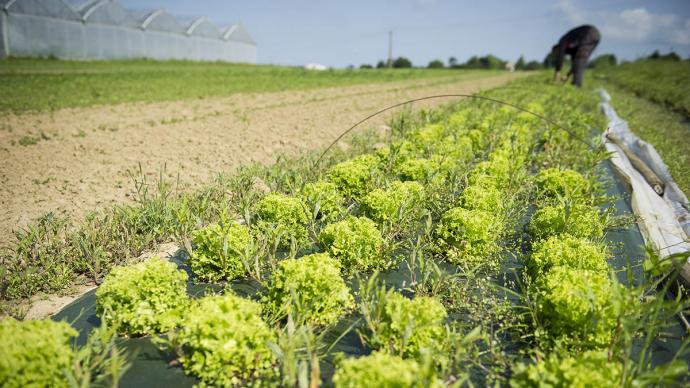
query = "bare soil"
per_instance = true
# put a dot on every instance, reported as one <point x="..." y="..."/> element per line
<point x="72" y="161"/>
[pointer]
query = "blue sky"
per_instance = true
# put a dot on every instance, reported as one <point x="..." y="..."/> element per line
<point x="339" y="33"/>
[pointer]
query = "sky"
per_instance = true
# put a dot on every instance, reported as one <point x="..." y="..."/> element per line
<point x="341" y="33"/>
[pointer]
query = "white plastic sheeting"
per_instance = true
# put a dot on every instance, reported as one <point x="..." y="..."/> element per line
<point x="664" y="220"/>
<point x="103" y="29"/>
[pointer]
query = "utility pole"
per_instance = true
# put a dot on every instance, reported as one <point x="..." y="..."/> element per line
<point x="390" y="48"/>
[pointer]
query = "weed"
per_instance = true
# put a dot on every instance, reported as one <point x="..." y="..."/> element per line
<point x="28" y="140"/>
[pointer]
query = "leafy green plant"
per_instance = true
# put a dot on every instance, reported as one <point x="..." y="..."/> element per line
<point x="470" y="236"/>
<point x="35" y="353"/>
<point x="567" y="251"/>
<point x="555" y="182"/>
<point x="324" y="199"/>
<point x="399" y="325"/>
<point x="310" y="289"/>
<point x="284" y="217"/>
<point x="427" y="136"/>
<point x="417" y="169"/>
<point x="402" y="202"/>
<point x="574" y="305"/>
<point x="497" y="170"/>
<point x="219" y="252"/>
<point x="144" y="298"/>
<point x="355" y="177"/>
<point x="356" y="243"/>
<point x="575" y="219"/>
<point x="223" y="341"/>
<point x="483" y="195"/>
<point x="590" y="369"/>
<point x="380" y="369"/>
<point x="398" y="152"/>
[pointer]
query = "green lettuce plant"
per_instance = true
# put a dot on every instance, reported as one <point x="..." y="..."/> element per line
<point x="470" y="236"/>
<point x="483" y="195"/>
<point x="498" y="169"/>
<point x="324" y="199"/>
<point x="144" y="298"/>
<point x="283" y="217"/>
<point x="35" y="353"/>
<point x="417" y="169"/>
<point x="575" y="306"/>
<point x="433" y="170"/>
<point x="224" y="342"/>
<point x="555" y="182"/>
<point x="427" y="137"/>
<point x="218" y="252"/>
<point x="310" y="289"/>
<point x="455" y="148"/>
<point x="355" y="177"/>
<point x="401" y="202"/>
<point x="356" y="243"/>
<point x="398" y="152"/>
<point x="588" y="369"/>
<point x="575" y="219"/>
<point x="405" y="326"/>
<point x="381" y="370"/>
<point x="568" y="251"/>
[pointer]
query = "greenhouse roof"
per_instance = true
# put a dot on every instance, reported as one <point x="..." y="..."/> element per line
<point x="237" y="33"/>
<point x="157" y="20"/>
<point x="110" y="12"/>
<point x="47" y="8"/>
<point x="107" y="12"/>
<point x="201" y="26"/>
<point x="78" y="5"/>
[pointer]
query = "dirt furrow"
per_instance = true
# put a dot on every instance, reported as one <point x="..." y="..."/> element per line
<point x="72" y="161"/>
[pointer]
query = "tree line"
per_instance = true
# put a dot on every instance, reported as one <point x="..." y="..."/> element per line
<point x="492" y="62"/>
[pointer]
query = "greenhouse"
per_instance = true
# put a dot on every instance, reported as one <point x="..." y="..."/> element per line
<point x="103" y="29"/>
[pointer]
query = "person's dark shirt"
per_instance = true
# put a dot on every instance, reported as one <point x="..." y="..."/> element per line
<point x="571" y="41"/>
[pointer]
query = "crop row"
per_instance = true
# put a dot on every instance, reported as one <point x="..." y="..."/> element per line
<point x="489" y="216"/>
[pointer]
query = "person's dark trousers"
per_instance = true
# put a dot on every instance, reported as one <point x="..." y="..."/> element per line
<point x="580" y="62"/>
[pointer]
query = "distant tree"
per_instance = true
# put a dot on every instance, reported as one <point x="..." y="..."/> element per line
<point x="365" y="66"/>
<point x="350" y="66"/>
<point x="671" y="56"/>
<point x="520" y="64"/>
<point x="435" y="64"/>
<point x="603" y="60"/>
<point x="452" y="62"/>
<point x="487" y="62"/>
<point x="494" y="62"/>
<point x="381" y="65"/>
<point x="533" y="65"/>
<point x="472" y="63"/>
<point x="402" y="63"/>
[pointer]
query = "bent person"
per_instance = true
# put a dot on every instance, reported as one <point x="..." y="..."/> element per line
<point x="579" y="43"/>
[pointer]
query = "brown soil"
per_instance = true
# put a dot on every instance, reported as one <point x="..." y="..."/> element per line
<point x="81" y="157"/>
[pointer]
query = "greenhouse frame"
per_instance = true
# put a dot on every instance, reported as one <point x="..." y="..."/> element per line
<point x="103" y="29"/>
